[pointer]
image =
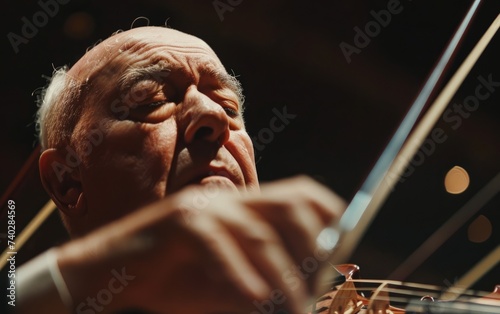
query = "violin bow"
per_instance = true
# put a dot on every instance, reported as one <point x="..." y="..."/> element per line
<point x="343" y="236"/>
<point x="39" y="218"/>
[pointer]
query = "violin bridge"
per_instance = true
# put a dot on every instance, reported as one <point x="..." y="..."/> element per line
<point x="346" y="300"/>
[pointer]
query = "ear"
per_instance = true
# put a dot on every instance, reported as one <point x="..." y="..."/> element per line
<point x="63" y="182"/>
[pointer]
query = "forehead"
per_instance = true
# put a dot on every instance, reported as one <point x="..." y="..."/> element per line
<point x="142" y="47"/>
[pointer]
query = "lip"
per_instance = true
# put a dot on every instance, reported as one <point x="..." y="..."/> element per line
<point x="214" y="174"/>
<point x="187" y="170"/>
<point x="219" y="182"/>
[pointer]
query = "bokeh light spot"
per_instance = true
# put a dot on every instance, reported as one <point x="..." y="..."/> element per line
<point x="79" y="25"/>
<point x="479" y="230"/>
<point x="456" y="180"/>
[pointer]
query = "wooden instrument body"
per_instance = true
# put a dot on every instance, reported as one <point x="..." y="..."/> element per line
<point x="349" y="297"/>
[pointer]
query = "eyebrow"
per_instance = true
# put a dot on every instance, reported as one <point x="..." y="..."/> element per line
<point x="226" y="80"/>
<point x="156" y="72"/>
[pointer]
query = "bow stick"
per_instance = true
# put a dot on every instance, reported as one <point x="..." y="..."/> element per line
<point x="382" y="178"/>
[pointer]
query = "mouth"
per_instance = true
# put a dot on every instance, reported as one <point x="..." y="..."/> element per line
<point x="216" y="176"/>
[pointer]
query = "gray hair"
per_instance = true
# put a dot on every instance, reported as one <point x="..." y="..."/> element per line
<point x="58" y="110"/>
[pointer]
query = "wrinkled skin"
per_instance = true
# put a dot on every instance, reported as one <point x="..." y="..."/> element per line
<point x="180" y="126"/>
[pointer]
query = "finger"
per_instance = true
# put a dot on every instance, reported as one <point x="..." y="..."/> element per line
<point x="199" y="266"/>
<point x="299" y="208"/>
<point x="327" y="204"/>
<point x="297" y="224"/>
<point x="264" y="249"/>
<point x="239" y="281"/>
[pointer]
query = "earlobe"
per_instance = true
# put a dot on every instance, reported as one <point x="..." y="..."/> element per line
<point x="62" y="182"/>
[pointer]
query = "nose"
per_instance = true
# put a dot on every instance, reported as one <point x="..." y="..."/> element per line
<point x="205" y="119"/>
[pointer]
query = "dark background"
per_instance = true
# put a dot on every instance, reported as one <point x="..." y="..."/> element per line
<point x="288" y="54"/>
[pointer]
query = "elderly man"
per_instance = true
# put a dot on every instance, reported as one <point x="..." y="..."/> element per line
<point x="146" y="155"/>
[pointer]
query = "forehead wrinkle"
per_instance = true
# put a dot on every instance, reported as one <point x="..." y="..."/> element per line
<point x="120" y="69"/>
<point x="137" y="42"/>
<point x="156" y="59"/>
<point x="140" y="59"/>
<point x="159" y="66"/>
<point x="106" y="62"/>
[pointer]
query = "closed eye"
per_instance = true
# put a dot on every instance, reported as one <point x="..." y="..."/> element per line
<point x="231" y="112"/>
<point x="153" y="112"/>
<point x="155" y="104"/>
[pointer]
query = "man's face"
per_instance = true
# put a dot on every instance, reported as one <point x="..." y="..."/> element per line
<point x="160" y="113"/>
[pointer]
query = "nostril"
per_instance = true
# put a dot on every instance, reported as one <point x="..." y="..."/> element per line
<point x="203" y="133"/>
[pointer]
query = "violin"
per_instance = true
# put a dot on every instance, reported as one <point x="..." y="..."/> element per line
<point x="350" y="295"/>
<point x="341" y="238"/>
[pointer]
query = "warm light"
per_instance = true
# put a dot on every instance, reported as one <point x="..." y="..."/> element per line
<point x="456" y="180"/>
<point x="479" y="230"/>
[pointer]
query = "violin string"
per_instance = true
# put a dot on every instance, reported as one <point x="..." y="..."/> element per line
<point x="411" y="285"/>
<point x="417" y="304"/>
<point x="487" y="263"/>
<point x="404" y="293"/>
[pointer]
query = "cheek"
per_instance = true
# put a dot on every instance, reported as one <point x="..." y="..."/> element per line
<point x="161" y="153"/>
<point x="241" y="148"/>
<point x="130" y="168"/>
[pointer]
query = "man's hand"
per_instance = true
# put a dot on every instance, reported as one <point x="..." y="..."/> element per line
<point x="205" y="250"/>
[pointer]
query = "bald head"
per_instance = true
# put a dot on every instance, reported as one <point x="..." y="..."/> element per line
<point x="61" y="104"/>
<point x="134" y="41"/>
